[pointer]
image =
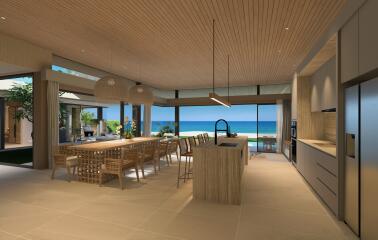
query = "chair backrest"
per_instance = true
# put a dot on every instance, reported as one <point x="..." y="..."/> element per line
<point x="173" y="146"/>
<point x="192" y="143"/>
<point x="163" y="148"/>
<point x="183" y="146"/>
<point x="206" y="137"/>
<point x="150" y="150"/>
<point x="201" y="139"/>
<point x="133" y="153"/>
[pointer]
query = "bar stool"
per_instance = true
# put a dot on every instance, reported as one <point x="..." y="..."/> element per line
<point x="184" y="151"/>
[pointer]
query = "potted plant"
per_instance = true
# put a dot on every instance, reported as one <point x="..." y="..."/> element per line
<point x="130" y="128"/>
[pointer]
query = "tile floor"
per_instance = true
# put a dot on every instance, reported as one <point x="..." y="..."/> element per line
<point x="277" y="204"/>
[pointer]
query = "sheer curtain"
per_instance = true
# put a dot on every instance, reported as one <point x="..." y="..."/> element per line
<point x="283" y="123"/>
<point x="147" y="121"/>
<point x="52" y="117"/>
<point x="279" y="125"/>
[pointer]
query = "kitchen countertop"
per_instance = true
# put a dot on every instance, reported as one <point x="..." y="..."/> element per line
<point x="329" y="147"/>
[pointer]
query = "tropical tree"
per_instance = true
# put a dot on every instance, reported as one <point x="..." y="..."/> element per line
<point x="87" y="117"/>
<point x="22" y="94"/>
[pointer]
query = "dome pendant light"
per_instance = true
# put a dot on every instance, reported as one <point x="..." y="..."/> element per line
<point x="213" y="96"/>
<point x="141" y="94"/>
<point x="111" y="88"/>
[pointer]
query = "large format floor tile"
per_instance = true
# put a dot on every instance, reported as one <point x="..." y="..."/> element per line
<point x="276" y="204"/>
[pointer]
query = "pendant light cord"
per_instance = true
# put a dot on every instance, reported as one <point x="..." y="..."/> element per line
<point x="213" y="55"/>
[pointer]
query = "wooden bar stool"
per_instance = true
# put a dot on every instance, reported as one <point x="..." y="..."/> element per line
<point x="184" y="152"/>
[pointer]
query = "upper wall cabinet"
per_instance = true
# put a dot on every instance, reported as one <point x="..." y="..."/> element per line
<point x="349" y="49"/>
<point x="323" y="87"/>
<point x="368" y="36"/>
<point x="359" y="42"/>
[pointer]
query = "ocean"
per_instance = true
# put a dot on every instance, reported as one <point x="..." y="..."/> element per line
<point x="267" y="127"/>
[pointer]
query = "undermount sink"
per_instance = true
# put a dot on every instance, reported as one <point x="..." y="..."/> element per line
<point x="331" y="145"/>
<point x="228" y="144"/>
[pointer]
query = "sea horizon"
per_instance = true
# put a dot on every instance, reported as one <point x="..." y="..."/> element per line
<point x="268" y="127"/>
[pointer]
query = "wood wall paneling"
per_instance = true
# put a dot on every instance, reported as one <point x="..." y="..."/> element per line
<point x="167" y="44"/>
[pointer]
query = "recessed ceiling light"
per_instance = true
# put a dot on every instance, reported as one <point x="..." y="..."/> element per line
<point x="3" y="18"/>
<point x="286" y="28"/>
<point x="82" y="50"/>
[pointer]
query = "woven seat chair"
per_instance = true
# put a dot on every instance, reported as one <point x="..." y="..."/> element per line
<point x="163" y="150"/>
<point x="173" y="148"/>
<point x="184" y="152"/>
<point x="63" y="157"/>
<point x="150" y="155"/>
<point x="130" y="158"/>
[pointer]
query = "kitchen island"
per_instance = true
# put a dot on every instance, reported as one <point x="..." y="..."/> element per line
<point x="218" y="170"/>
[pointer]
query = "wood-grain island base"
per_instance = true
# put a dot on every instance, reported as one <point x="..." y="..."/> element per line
<point x="218" y="171"/>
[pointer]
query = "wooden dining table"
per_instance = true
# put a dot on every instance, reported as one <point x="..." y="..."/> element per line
<point x="91" y="155"/>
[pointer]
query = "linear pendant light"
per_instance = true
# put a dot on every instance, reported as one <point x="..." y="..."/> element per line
<point x="213" y="96"/>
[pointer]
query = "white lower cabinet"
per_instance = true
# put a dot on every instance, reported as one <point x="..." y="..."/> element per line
<point x="320" y="171"/>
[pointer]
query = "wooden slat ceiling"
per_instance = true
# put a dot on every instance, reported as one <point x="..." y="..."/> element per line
<point x="167" y="43"/>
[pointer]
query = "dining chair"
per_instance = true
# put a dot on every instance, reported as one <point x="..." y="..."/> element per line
<point x="150" y="155"/>
<point x="129" y="159"/>
<point x="184" y="152"/>
<point x="173" y="148"/>
<point x="163" y="150"/>
<point x="63" y="157"/>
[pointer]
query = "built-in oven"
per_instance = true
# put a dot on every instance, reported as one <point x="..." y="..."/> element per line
<point x="294" y="141"/>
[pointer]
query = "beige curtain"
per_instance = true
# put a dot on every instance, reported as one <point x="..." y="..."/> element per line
<point x="52" y="117"/>
<point x="279" y="125"/>
<point x="147" y="120"/>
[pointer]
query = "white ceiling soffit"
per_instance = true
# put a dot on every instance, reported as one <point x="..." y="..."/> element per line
<point x="10" y="69"/>
<point x="167" y="44"/>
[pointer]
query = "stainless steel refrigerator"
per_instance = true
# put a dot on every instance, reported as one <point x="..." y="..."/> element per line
<point x="361" y="159"/>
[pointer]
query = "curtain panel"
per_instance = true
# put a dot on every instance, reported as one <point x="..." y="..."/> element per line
<point x="53" y="119"/>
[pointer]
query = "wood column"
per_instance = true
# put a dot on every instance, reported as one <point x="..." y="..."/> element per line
<point x="137" y="119"/>
<point x="177" y="115"/>
<point x="100" y="113"/>
<point x="122" y="118"/>
<point x="40" y="156"/>
<point x="2" y="123"/>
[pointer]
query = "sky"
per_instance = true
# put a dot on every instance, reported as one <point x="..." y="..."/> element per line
<point x="200" y="113"/>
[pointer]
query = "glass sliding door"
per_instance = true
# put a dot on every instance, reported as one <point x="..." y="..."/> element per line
<point x="16" y="120"/>
<point x="266" y="127"/>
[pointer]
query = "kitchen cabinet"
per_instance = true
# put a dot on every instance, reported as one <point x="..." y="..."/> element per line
<point x="349" y="49"/>
<point x="323" y="87"/>
<point x="320" y="171"/>
<point x="359" y="38"/>
<point x="368" y="36"/>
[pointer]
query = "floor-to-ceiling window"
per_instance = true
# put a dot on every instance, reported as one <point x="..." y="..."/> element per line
<point x="16" y="120"/>
<point x="254" y="121"/>
<point x="162" y="120"/>
<point x="266" y="127"/>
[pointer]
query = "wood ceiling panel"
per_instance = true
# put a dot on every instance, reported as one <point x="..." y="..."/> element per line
<point x="167" y="43"/>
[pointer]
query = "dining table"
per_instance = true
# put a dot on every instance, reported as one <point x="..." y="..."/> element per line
<point x="91" y="155"/>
